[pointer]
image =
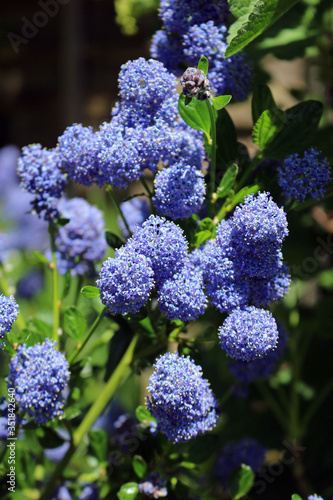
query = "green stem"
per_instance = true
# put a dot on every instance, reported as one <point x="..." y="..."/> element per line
<point x="93" y="327"/>
<point x="243" y="180"/>
<point x="78" y="288"/>
<point x="273" y="404"/>
<point x="116" y="204"/>
<point x="316" y="404"/>
<point x="150" y="194"/>
<point x="56" y="304"/>
<point x="212" y="155"/>
<point x="120" y="373"/>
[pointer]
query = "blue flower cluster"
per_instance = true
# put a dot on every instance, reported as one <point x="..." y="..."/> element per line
<point x="80" y="243"/>
<point x="135" y="211"/>
<point x="247" y="371"/>
<point x="315" y="497"/>
<point x="187" y="35"/>
<point x="245" y="451"/>
<point x="154" y="486"/>
<point x="302" y="176"/>
<point x="39" y="374"/>
<point x="9" y="311"/>
<point x="180" y="398"/>
<point x="179" y="191"/>
<point x="41" y="175"/>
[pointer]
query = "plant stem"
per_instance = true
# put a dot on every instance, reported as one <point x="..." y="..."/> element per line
<point x="120" y="373"/>
<point x="56" y="304"/>
<point x="145" y="185"/>
<point x="212" y="155"/>
<point x="93" y="327"/>
<point x="273" y="404"/>
<point x="116" y="204"/>
<point x="243" y="180"/>
<point x="316" y="404"/>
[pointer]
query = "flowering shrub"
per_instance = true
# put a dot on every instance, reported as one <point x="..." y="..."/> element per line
<point x="187" y="315"/>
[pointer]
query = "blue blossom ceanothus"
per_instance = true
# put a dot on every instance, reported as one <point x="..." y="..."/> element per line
<point x="9" y="311"/>
<point x="233" y="76"/>
<point x="300" y="176"/>
<point x="146" y="83"/>
<point x="180" y="398"/>
<point x="259" y="227"/>
<point x="126" y="281"/>
<point x="135" y="211"/>
<point x="179" y="191"/>
<point x="31" y="283"/>
<point x="80" y="243"/>
<point x="40" y="173"/>
<point x="188" y="146"/>
<point x="3" y="247"/>
<point x="8" y="164"/>
<point x="167" y="48"/>
<point x="264" y="291"/>
<point x="247" y="371"/>
<point x="153" y="486"/>
<point x="315" y="497"/>
<point x="39" y="374"/>
<point x="178" y="15"/>
<point x="182" y="296"/>
<point x="78" y="155"/>
<point x="206" y="39"/>
<point x="132" y="115"/>
<point x="248" y="333"/>
<point x="163" y="243"/>
<point x="245" y="451"/>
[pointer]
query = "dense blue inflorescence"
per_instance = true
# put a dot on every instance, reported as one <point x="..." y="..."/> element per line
<point x="245" y="451"/>
<point x="30" y="284"/>
<point x="135" y="211"/>
<point x="154" y="486"/>
<point x="179" y="191"/>
<point x="126" y="281"/>
<point x="248" y="333"/>
<point x="182" y="296"/>
<point x="40" y="173"/>
<point x="80" y="243"/>
<point x="180" y="398"/>
<point x="39" y="374"/>
<point x="9" y="310"/>
<point x="302" y="176"/>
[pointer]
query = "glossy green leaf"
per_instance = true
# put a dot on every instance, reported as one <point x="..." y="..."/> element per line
<point x="241" y="481"/>
<point x="295" y="497"/>
<point x="139" y="466"/>
<point x="201" y="237"/>
<point x="90" y="292"/>
<point x="113" y="240"/>
<point x="227" y="181"/>
<point x="203" y="64"/>
<point x="142" y="414"/>
<point x="221" y="101"/>
<point x="240" y="8"/>
<point x="301" y="122"/>
<point x="207" y="224"/>
<point x="267" y="127"/>
<point x="195" y="114"/>
<point x="37" y="325"/>
<point x="263" y="14"/>
<point x="41" y="258"/>
<point x="75" y="324"/>
<point x="239" y="197"/>
<point x="187" y="100"/>
<point x="128" y="491"/>
<point x="98" y="440"/>
<point x="262" y="99"/>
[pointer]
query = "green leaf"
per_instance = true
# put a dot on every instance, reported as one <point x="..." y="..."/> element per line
<point x="267" y="127"/>
<point x="128" y="491"/>
<point x="41" y="258"/>
<point x="295" y="497"/>
<point x="239" y="197"/>
<point x="67" y="284"/>
<point x="39" y="326"/>
<point x="142" y="414"/>
<point x="301" y="122"/>
<point x="227" y="181"/>
<point x="221" y="101"/>
<point x="240" y="8"/>
<point x="203" y="64"/>
<point x="62" y="222"/>
<point x="91" y="292"/>
<point x="139" y="466"/>
<point x="201" y="237"/>
<point x="195" y="114"/>
<point x="113" y="240"/>
<point x="262" y="99"/>
<point x="98" y="440"/>
<point x="74" y="323"/>
<point x="263" y="14"/>
<point x="70" y="413"/>
<point x="226" y="139"/>
<point x="241" y="481"/>
<point x="207" y="224"/>
<point x="187" y="100"/>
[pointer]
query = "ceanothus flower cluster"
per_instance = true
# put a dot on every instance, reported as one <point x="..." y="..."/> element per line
<point x="80" y="243"/>
<point x="135" y="211"/>
<point x="154" y="486"/>
<point x="303" y="176"/>
<point x="9" y="311"/>
<point x="41" y="175"/>
<point x="180" y="398"/>
<point x="39" y="374"/>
